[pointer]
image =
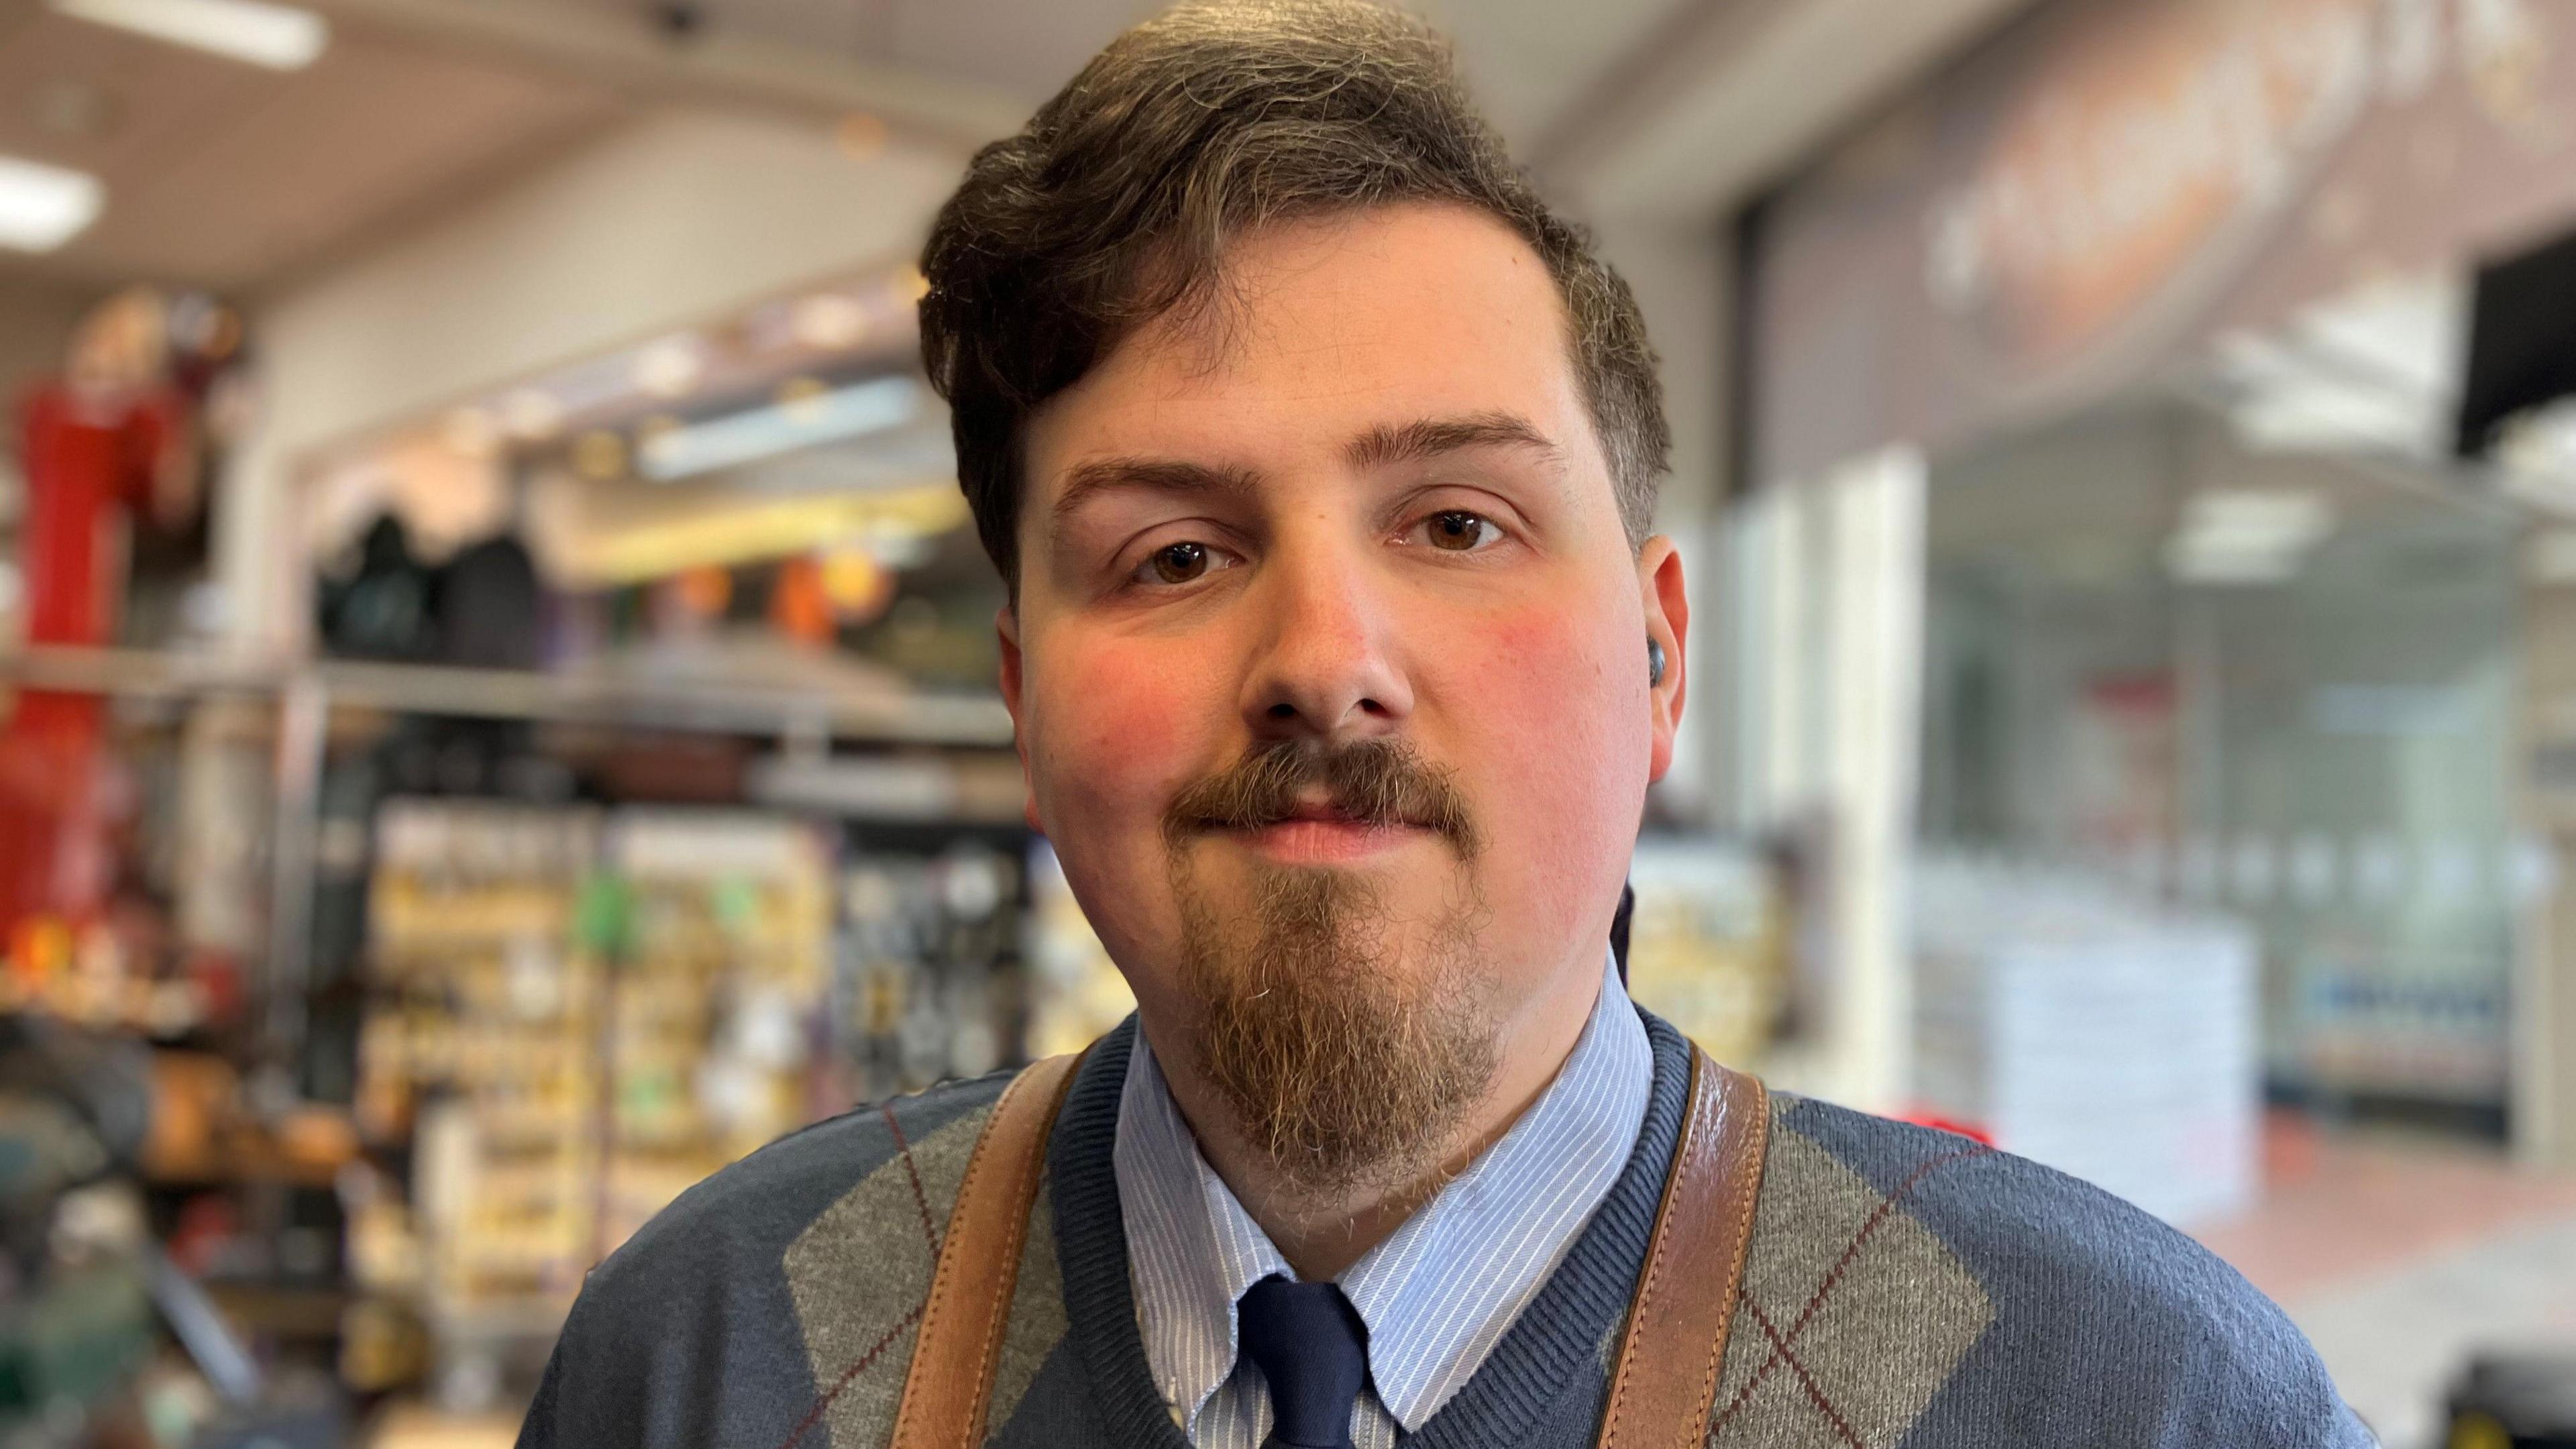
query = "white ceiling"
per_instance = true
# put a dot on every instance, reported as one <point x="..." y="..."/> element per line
<point x="1528" y="58"/>
<point x="224" y="175"/>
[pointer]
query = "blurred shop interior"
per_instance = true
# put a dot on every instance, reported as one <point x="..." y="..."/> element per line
<point x="496" y="707"/>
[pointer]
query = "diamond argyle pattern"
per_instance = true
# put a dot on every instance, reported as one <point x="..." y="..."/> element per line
<point x="860" y="1276"/>
<point x="1852" y="1314"/>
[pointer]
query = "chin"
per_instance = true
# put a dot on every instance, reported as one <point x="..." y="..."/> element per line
<point x="1347" y="1047"/>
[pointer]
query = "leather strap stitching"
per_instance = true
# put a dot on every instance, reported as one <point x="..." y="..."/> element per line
<point x="1655" y="1254"/>
<point x="1725" y="1132"/>
<point x="950" y="1355"/>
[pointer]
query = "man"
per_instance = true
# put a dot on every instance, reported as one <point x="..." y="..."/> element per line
<point x="1320" y="457"/>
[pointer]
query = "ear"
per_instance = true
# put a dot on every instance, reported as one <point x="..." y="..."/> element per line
<point x="1006" y="624"/>
<point x="1667" y="609"/>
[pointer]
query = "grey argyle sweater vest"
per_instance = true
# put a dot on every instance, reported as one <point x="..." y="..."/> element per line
<point x="1905" y="1288"/>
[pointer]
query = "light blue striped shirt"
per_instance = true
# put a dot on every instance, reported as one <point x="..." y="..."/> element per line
<point x="1437" y="1295"/>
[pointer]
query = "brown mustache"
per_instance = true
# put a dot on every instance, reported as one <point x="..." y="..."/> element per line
<point x="1376" y="782"/>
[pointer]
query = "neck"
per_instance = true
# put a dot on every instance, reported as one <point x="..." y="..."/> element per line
<point x="1323" y="1234"/>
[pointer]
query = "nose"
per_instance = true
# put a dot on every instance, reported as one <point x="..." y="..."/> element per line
<point x="1324" y="668"/>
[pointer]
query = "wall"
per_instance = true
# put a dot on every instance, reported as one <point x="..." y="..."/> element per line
<point x="2544" y="1106"/>
<point x="678" y="216"/>
<point x="36" y="321"/>
<point x="2103" y="185"/>
<point x="1683" y="274"/>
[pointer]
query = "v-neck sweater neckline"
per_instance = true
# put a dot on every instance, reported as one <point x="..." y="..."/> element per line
<point x="1564" y="1331"/>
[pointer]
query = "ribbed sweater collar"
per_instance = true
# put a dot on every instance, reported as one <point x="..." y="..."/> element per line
<point x="1561" y="1335"/>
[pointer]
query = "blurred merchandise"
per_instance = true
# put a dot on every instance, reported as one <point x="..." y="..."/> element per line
<point x="480" y="1053"/>
<point x="2515" y="1401"/>
<point x="1076" y="991"/>
<point x="719" y="933"/>
<point x="414" y="1426"/>
<point x="205" y="1132"/>
<point x="931" y="984"/>
<point x="2107" y="1040"/>
<point x="76" y="1314"/>
<point x="113" y="479"/>
<point x="1708" y="945"/>
<point x="86" y="1294"/>
<point x="578" y="1013"/>
<point x="382" y="608"/>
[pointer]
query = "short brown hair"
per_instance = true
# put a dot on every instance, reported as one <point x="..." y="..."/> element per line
<point x="1115" y="203"/>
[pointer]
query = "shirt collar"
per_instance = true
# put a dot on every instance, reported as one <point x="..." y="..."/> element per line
<point x="1191" y="1248"/>
<point x="1440" y="1292"/>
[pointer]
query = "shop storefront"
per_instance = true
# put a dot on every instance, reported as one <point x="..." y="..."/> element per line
<point x="2229" y="630"/>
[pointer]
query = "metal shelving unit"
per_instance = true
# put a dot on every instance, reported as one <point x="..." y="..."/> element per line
<point x="806" y="720"/>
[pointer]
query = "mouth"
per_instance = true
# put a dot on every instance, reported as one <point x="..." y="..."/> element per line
<point x="1317" y="830"/>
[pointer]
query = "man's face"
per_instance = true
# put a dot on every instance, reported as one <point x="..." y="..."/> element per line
<point x="1328" y="634"/>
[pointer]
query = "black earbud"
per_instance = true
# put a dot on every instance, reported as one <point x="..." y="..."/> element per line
<point x="1654" y="660"/>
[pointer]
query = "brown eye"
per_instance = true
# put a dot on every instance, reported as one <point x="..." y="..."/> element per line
<point x="1457" y="531"/>
<point x="1178" y="563"/>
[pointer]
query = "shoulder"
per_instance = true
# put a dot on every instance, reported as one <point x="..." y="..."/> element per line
<point x="755" y="1209"/>
<point x="2058" y="1310"/>
<point x="1991" y="1208"/>
<point x="714" y="1312"/>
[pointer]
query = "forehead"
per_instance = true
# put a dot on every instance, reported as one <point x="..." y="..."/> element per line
<point x="1320" y="331"/>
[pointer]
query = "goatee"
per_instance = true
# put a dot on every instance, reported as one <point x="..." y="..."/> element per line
<point x="1345" y="1064"/>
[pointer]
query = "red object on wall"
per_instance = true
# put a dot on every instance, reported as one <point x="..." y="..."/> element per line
<point x="1926" y="1117"/>
<point x="85" y="460"/>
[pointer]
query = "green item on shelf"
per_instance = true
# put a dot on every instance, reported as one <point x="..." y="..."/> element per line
<point x="78" y="1339"/>
<point x="603" y="919"/>
<point x="736" y="904"/>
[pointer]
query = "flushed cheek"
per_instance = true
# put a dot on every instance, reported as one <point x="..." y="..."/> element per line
<point x="1118" y="727"/>
<point x="1116" y="732"/>
<point x="1556" y="743"/>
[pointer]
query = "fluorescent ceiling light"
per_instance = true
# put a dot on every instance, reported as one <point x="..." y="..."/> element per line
<point x="671" y="367"/>
<point x="2191" y="561"/>
<point x="2536" y="458"/>
<point x="2327" y="416"/>
<point x="42" y="207"/>
<point x="868" y="407"/>
<point x="2410" y="335"/>
<point x="2247" y="536"/>
<point x="2375" y="370"/>
<point x="281" y="37"/>
<point x="2260" y="515"/>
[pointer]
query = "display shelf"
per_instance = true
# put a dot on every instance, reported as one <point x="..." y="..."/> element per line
<point x="240" y="1166"/>
<point x="894" y="716"/>
<point x="135" y="673"/>
<point x="287" y="1310"/>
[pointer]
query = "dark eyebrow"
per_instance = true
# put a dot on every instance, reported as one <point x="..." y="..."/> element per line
<point x="1412" y="442"/>
<point x="1150" y="475"/>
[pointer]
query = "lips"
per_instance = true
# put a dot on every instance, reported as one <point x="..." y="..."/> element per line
<point x="1332" y="812"/>
<point x="1312" y="816"/>
<point x="1323" y="835"/>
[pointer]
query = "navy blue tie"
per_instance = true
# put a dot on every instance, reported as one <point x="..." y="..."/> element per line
<point x="1309" y="1342"/>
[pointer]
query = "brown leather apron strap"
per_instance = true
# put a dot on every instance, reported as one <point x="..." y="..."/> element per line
<point x="1665" y="1382"/>
<point x="962" y="1323"/>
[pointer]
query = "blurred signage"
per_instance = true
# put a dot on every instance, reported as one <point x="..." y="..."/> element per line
<point x="2107" y="183"/>
<point x="2149" y="148"/>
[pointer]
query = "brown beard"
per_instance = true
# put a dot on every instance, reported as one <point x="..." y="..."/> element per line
<point x="1342" y="1065"/>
